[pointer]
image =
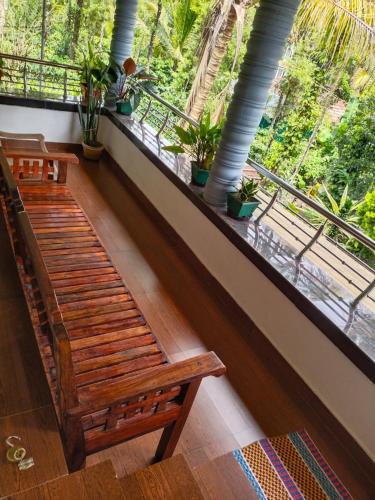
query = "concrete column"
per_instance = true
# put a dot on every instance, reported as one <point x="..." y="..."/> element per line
<point x="272" y="25"/>
<point x="122" y="38"/>
<point x="123" y="29"/>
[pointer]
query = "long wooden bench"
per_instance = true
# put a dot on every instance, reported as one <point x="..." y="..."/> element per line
<point x="110" y="379"/>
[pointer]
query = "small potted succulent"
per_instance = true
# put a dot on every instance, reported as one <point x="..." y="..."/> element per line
<point x="133" y="81"/>
<point x="242" y="203"/>
<point x="96" y="78"/>
<point x="200" y="143"/>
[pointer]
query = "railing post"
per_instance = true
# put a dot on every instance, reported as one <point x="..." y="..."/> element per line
<point x="363" y="294"/>
<point x="146" y="112"/>
<point x="163" y="125"/>
<point x="268" y="207"/>
<point x="25" y="79"/>
<point x="65" y="81"/>
<point x="312" y="241"/>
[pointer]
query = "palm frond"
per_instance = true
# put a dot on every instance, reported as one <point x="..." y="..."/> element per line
<point x="347" y="27"/>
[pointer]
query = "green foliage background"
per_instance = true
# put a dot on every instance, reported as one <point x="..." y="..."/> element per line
<point x="300" y="139"/>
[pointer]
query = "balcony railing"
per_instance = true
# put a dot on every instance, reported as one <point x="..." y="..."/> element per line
<point x="35" y="78"/>
<point x="27" y="77"/>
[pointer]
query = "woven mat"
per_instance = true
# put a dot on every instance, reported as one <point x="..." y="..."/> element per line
<point x="290" y="467"/>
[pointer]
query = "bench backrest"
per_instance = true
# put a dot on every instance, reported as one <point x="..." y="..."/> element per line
<point x="13" y="139"/>
<point x="30" y="165"/>
<point x="48" y="307"/>
<point x="8" y="186"/>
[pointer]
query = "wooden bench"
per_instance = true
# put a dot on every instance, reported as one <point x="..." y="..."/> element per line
<point x="110" y="379"/>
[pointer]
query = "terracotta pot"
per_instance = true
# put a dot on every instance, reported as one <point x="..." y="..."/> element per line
<point x="92" y="152"/>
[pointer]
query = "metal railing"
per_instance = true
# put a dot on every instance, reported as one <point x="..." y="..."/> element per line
<point x="35" y="78"/>
<point x="162" y="116"/>
<point x="48" y="80"/>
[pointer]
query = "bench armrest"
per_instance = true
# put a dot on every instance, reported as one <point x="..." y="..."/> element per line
<point x="159" y="378"/>
<point x="35" y="154"/>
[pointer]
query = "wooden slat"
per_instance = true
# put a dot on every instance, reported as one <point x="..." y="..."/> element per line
<point x="26" y="168"/>
<point x="120" y="369"/>
<point x="113" y="359"/>
<point x="102" y="319"/>
<point x="79" y="266"/>
<point x="91" y="354"/>
<point x="104" y="291"/>
<point x="92" y="310"/>
<point x="105" y="328"/>
<point x="109" y="337"/>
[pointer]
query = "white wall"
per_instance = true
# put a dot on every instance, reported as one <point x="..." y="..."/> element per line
<point x="56" y="126"/>
<point x="343" y="388"/>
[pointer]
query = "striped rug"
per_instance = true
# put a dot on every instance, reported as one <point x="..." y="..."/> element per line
<point x="290" y="467"/>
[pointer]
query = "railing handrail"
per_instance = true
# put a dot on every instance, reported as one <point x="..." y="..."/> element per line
<point x="39" y="61"/>
<point x="370" y="243"/>
<point x="365" y="240"/>
<point x="172" y="108"/>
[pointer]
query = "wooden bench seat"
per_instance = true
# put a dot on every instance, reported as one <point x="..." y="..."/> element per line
<point x="100" y="316"/>
<point x="110" y="379"/>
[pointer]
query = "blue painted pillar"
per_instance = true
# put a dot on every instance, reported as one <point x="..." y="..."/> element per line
<point x="123" y="29"/>
<point x="272" y="25"/>
<point x="122" y="38"/>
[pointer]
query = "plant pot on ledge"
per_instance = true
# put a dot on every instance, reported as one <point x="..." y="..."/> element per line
<point x="91" y="152"/>
<point x="124" y="108"/>
<point x="199" y="176"/>
<point x="241" y="210"/>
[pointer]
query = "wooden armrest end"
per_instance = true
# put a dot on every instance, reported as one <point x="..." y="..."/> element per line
<point x="160" y="377"/>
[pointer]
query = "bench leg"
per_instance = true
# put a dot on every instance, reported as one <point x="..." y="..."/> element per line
<point x="62" y="172"/>
<point x="74" y="444"/>
<point x="172" y="432"/>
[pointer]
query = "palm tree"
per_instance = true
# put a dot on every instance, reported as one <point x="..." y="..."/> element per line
<point x="154" y="29"/>
<point x="346" y="27"/>
<point x="345" y="30"/>
<point x="176" y="25"/>
<point x="76" y="29"/>
<point x="217" y="33"/>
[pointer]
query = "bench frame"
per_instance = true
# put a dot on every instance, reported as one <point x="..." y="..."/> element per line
<point x="155" y="398"/>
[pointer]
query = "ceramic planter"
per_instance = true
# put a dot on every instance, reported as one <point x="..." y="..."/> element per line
<point x="199" y="176"/>
<point x="124" y="108"/>
<point x="92" y="152"/>
<point x="238" y="209"/>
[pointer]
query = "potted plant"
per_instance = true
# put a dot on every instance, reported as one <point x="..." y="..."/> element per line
<point x="133" y="81"/>
<point x="200" y="143"/>
<point x="242" y="203"/>
<point x="96" y="78"/>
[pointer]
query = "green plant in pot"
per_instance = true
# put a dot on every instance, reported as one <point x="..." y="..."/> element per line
<point x="242" y="203"/>
<point x="200" y="143"/>
<point x="96" y="77"/>
<point x="132" y="83"/>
